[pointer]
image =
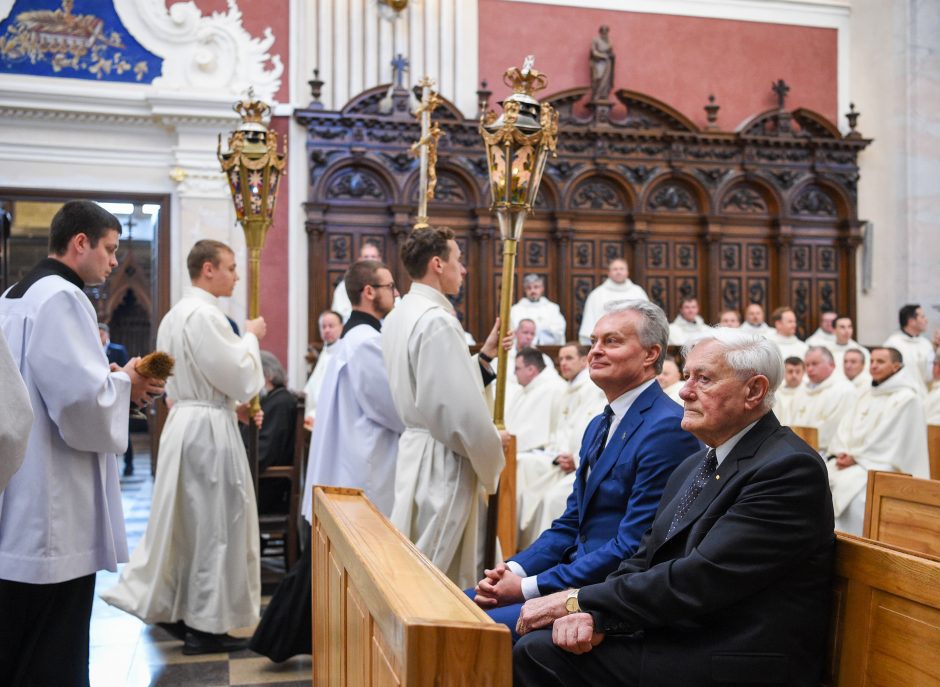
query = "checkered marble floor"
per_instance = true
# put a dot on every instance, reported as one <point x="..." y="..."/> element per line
<point x="127" y="653"/>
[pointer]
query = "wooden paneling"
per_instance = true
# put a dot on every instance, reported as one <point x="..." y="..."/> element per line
<point x="903" y="511"/>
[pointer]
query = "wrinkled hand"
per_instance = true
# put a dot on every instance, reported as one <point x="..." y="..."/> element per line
<point x="565" y="461"/>
<point x="844" y="460"/>
<point x="143" y="389"/>
<point x="575" y="633"/>
<point x="541" y="612"/>
<point x="499" y="587"/>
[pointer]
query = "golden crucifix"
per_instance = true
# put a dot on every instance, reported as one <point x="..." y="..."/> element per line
<point x="426" y="148"/>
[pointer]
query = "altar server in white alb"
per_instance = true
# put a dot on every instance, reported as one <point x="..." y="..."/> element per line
<point x="855" y="368"/>
<point x="60" y="515"/>
<point x="825" y="334"/>
<point x="885" y="429"/>
<point x="450" y="454"/>
<point x="794" y="371"/>
<point x="16" y="415"/>
<point x="355" y="438"/>
<point x="824" y="399"/>
<point x="688" y="324"/>
<point x="330" y="324"/>
<point x="754" y="320"/>
<point x="617" y="287"/>
<point x="529" y="408"/>
<point x="843" y="342"/>
<point x="342" y="305"/>
<point x="916" y="349"/>
<point x="197" y="570"/>
<point x="549" y="322"/>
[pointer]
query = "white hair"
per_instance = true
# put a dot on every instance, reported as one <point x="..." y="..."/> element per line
<point x="654" y="328"/>
<point x="746" y="354"/>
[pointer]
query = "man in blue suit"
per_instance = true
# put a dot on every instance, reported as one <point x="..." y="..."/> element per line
<point x="627" y="455"/>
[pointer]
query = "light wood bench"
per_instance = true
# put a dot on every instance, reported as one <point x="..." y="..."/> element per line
<point x="808" y="434"/>
<point x="384" y="615"/>
<point x="933" y="450"/>
<point x="507" y="528"/>
<point x="885" y="627"/>
<point x="903" y="511"/>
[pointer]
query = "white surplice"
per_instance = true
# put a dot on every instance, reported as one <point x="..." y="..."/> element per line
<point x="608" y="292"/>
<point x="529" y="410"/>
<point x="862" y="380"/>
<point x="16" y="415"/>
<point x="549" y="322"/>
<point x="61" y="515"/>
<point x="917" y="352"/>
<point x="823" y="406"/>
<point x="199" y="559"/>
<point x="355" y="438"/>
<point x="315" y="381"/>
<point x="821" y="338"/>
<point x="450" y="455"/>
<point x="682" y="331"/>
<point x="341" y="303"/>
<point x="838" y="353"/>
<point x="933" y="404"/>
<point x="790" y="346"/>
<point x="763" y="329"/>
<point x="783" y="403"/>
<point x="885" y="429"/>
<point x="672" y="391"/>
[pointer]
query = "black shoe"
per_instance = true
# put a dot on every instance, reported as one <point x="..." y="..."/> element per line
<point x="177" y="630"/>
<point x="206" y="643"/>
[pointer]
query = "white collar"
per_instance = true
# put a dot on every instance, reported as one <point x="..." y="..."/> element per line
<point x="621" y="405"/>
<point x="721" y="452"/>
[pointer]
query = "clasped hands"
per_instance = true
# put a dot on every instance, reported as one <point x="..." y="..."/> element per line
<point x="572" y="632"/>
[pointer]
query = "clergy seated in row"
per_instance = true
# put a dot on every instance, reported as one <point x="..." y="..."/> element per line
<point x="549" y="322"/>
<point x="843" y="331"/>
<point x="754" y="320"/>
<point x="670" y="379"/>
<point x="617" y="287"/>
<point x="330" y="324"/>
<point x="885" y="429"/>
<point x="933" y="396"/>
<point x="529" y="405"/>
<point x="910" y="340"/>
<point x="730" y="319"/>
<point x="688" y="323"/>
<point x="627" y="454"/>
<point x="783" y="320"/>
<point x="552" y="469"/>
<point x="794" y="369"/>
<point x="522" y="337"/>
<point x="855" y="368"/>
<point x="342" y="305"/>
<point x="825" y="334"/>
<point x="824" y="399"/>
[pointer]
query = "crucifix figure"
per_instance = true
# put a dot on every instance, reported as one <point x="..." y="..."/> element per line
<point x="399" y="67"/>
<point x="781" y="89"/>
<point x="426" y="148"/>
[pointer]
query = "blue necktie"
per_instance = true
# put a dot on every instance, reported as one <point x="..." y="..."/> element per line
<point x="600" y="438"/>
<point x="705" y="471"/>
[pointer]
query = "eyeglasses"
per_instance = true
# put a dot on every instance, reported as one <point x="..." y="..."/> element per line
<point x="383" y="286"/>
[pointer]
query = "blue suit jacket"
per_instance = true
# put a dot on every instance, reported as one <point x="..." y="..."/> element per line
<point x="607" y="514"/>
<point x="116" y="353"/>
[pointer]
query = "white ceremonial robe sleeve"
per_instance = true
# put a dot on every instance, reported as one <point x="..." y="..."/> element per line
<point x="16" y="415"/>
<point x="370" y="386"/>
<point x="231" y="364"/>
<point x="447" y="394"/>
<point x="88" y="404"/>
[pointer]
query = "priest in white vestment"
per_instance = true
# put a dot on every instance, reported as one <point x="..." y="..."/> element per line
<point x="197" y="569"/>
<point x="670" y="379"/>
<point x="933" y="396"/>
<point x="915" y="348"/>
<point x="730" y="319"/>
<point x="617" y="287"/>
<point x="843" y="341"/>
<point x="450" y="455"/>
<point x="794" y="369"/>
<point x="355" y="438"/>
<point x="754" y="321"/>
<point x="855" y="368"/>
<point x="528" y="413"/>
<point x="60" y="515"/>
<point x="824" y="399"/>
<point x="825" y="334"/>
<point x="369" y="250"/>
<point x="688" y="324"/>
<point x="331" y="327"/>
<point x="783" y="320"/>
<point x="522" y="337"/>
<point x="886" y="429"/>
<point x="16" y="415"/>
<point x="549" y="322"/>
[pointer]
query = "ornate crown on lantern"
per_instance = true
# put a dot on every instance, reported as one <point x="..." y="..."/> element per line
<point x="252" y="110"/>
<point x="527" y="80"/>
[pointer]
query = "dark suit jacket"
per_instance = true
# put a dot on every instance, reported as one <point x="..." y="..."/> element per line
<point x="606" y="515"/>
<point x="116" y="353"/>
<point x="740" y="592"/>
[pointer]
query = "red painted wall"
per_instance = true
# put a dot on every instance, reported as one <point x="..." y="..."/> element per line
<point x="679" y="60"/>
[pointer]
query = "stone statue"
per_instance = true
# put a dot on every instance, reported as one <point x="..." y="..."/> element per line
<point x="602" y="65"/>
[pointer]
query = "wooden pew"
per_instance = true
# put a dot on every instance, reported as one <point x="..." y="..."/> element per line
<point x="885" y="628"/>
<point x="808" y="434"/>
<point x="507" y="523"/>
<point x="903" y="511"/>
<point x="933" y="449"/>
<point x="384" y="615"/>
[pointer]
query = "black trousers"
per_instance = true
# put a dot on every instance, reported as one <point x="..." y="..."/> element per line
<point x="44" y="633"/>
<point x="537" y="662"/>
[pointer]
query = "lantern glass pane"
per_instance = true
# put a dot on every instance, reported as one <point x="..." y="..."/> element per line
<point x="234" y="180"/>
<point x="272" y="194"/>
<point x="497" y="173"/>
<point x="522" y="167"/>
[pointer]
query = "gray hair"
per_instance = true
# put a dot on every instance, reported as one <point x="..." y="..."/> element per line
<point x="746" y="354"/>
<point x="532" y="278"/>
<point x="272" y="369"/>
<point x="823" y="351"/>
<point x="654" y="327"/>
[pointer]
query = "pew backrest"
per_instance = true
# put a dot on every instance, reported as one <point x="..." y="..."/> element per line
<point x="384" y="615"/>
<point x="933" y="450"/>
<point x="903" y="511"/>
<point x="808" y="434"/>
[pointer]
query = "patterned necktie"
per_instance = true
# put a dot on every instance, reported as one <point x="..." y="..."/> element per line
<point x="600" y="438"/>
<point x="705" y="472"/>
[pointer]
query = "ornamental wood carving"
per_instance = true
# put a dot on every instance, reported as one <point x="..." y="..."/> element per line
<point x="764" y="214"/>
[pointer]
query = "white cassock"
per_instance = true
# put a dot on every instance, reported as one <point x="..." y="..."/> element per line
<point x="16" y="415"/>
<point x="862" y="381"/>
<point x="820" y="338"/>
<point x="681" y="330"/>
<point x="535" y="473"/>
<point x="549" y="322"/>
<point x="933" y="404"/>
<point x="450" y="455"/>
<point x="790" y="346"/>
<point x="917" y="352"/>
<point x="783" y="402"/>
<point x="672" y="391"/>
<point x="199" y="558"/>
<point x="315" y="381"/>
<point x="763" y="329"/>
<point x="822" y="406"/>
<point x="512" y="384"/>
<point x="341" y="303"/>
<point x="884" y="430"/>
<point x="838" y="353"/>
<point x="608" y="292"/>
<point x="355" y="438"/>
<point x="61" y="515"/>
<point x="529" y="410"/>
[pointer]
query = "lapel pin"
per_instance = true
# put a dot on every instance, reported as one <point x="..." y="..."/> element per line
<point x="717" y="476"/>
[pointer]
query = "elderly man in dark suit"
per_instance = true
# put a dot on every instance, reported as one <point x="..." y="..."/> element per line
<point x="627" y="454"/>
<point x="731" y="584"/>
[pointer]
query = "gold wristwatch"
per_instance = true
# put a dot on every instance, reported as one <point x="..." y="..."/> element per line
<point x="571" y="603"/>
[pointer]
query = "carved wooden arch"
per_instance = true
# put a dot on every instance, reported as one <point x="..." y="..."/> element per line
<point x="129" y="277"/>
<point x="349" y="166"/>
<point x="446" y="170"/>
<point x="772" y="202"/>
<point x="657" y="196"/>
<point x="801" y="205"/>
<point x="580" y="197"/>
